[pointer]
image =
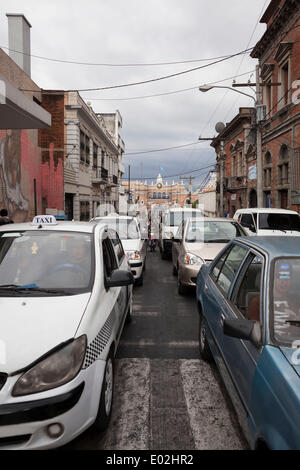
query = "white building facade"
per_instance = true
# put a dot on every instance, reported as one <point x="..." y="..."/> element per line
<point x="93" y="164"/>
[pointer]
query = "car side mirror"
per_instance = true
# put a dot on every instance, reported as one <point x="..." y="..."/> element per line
<point x="120" y="278"/>
<point x="243" y="329"/>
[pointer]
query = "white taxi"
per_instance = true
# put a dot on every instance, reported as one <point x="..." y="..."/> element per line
<point x="65" y="294"/>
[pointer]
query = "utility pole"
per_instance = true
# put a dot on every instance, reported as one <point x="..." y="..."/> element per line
<point x="129" y="184"/>
<point x="259" y="175"/>
<point x="221" y="210"/>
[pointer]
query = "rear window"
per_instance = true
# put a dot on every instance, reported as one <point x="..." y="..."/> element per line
<point x="279" y="222"/>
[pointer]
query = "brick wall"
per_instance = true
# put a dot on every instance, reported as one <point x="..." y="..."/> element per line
<point x="52" y="144"/>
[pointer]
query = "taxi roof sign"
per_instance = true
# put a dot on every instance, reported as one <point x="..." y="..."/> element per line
<point x="44" y="220"/>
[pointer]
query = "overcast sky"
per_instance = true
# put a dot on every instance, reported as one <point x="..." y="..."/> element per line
<point x="148" y="32"/>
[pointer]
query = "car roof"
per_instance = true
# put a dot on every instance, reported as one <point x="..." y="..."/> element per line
<point x="265" y="211"/>
<point x="86" y="227"/>
<point x="181" y="209"/>
<point x="114" y="216"/>
<point x="274" y="246"/>
<point x="210" y="219"/>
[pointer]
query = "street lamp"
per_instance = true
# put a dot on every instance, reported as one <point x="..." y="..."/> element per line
<point x="206" y="88"/>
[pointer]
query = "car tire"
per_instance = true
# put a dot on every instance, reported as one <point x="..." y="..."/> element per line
<point x="204" y="348"/>
<point x="106" y="397"/>
<point x="140" y="281"/>
<point x="129" y="314"/>
<point x="182" y="289"/>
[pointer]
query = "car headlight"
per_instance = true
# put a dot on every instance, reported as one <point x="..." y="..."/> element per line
<point x="193" y="260"/>
<point x="133" y="255"/>
<point x="57" y="369"/>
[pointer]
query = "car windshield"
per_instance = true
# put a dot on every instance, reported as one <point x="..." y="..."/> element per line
<point x="45" y="262"/>
<point x="127" y="229"/>
<point x="212" y="231"/>
<point x="277" y="221"/>
<point x="174" y="219"/>
<point x="285" y="320"/>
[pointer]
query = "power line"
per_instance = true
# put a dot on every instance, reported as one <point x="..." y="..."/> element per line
<point x="74" y="62"/>
<point x="143" y="82"/>
<point x="169" y="92"/>
<point x="179" y="174"/>
<point x="161" y="149"/>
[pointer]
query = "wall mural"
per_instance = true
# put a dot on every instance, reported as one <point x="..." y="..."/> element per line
<point x="11" y="195"/>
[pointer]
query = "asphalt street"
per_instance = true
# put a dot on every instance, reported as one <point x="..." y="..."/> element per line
<point x="166" y="397"/>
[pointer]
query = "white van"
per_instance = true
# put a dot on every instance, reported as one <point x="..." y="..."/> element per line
<point x="171" y="219"/>
<point x="65" y="294"/>
<point x="269" y="221"/>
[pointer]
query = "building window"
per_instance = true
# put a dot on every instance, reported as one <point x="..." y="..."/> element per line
<point x="84" y="148"/>
<point x="268" y="158"/>
<point x="283" y="167"/>
<point x="233" y="173"/>
<point x="284" y="76"/>
<point x="95" y="155"/>
<point x="84" y="211"/>
<point x="268" y="177"/>
<point x="240" y="164"/>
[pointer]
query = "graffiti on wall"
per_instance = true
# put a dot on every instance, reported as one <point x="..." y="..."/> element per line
<point x="11" y="195"/>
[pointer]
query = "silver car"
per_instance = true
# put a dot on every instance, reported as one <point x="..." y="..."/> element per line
<point x="197" y="242"/>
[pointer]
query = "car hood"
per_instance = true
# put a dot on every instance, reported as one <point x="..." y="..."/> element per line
<point x="32" y="326"/>
<point x="131" y="245"/>
<point x="206" y="251"/>
<point x="293" y="356"/>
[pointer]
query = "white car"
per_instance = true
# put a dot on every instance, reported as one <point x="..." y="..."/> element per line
<point x="264" y="222"/>
<point x="65" y="294"/>
<point x="170" y="222"/>
<point x="133" y="241"/>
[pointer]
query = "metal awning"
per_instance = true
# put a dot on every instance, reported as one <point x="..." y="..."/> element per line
<point x="18" y="111"/>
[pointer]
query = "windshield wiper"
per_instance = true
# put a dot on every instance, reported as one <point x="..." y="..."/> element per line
<point x="24" y="289"/>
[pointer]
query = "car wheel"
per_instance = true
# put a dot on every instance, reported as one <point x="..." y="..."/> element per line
<point x="106" y="397"/>
<point x="182" y="289"/>
<point x="204" y="348"/>
<point x="128" y="316"/>
<point x="140" y="280"/>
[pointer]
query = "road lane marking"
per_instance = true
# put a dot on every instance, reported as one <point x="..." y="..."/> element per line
<point x="210" y="418"/>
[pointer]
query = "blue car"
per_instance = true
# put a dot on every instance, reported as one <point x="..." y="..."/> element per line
<point x="249" y="323"/>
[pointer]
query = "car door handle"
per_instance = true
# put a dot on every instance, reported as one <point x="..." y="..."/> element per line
<point x="223" y="317"/>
